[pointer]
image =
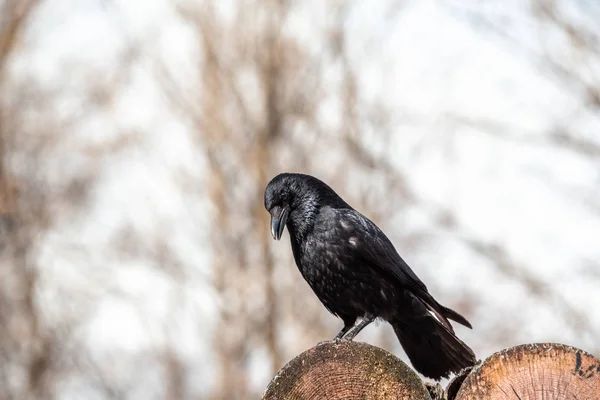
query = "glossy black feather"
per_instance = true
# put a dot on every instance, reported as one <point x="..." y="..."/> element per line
<point x="355" y="271"/>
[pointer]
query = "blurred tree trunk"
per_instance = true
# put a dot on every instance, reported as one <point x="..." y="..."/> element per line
<point x="258" y="110"/>
<point x="24" y="343"/>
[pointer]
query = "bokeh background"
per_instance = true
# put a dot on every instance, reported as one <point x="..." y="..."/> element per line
<point x="137" y="138"/>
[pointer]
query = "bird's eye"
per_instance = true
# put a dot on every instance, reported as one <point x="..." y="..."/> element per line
<point x="285" y="199"/>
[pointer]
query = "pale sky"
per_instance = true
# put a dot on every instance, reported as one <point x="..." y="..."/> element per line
<point x="426" y="63"/>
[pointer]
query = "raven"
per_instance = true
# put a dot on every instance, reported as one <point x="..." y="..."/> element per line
<point x="355" y="271"/>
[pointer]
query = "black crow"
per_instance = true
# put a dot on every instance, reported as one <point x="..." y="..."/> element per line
<point x="355" y="271"/>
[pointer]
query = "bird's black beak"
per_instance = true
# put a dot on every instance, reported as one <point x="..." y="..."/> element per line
<point x="278" y="222"/>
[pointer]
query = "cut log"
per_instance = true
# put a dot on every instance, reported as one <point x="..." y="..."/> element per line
<point x="534" y="372"/>
<point x="455" y="383"/>
<point x="346" y="370"/>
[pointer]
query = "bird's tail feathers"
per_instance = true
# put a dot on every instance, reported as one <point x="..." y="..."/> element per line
<point x="432" y="348"/>
<point x="454" y="316"/>
<point x="441" y="313"/>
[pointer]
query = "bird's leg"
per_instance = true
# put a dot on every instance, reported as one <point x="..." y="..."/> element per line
<point x="367" y="319"/>
<point x="346" y="328"/>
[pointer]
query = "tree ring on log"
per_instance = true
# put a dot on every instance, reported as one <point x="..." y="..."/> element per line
<point x="348" y="371"/>
<point x="534" y="372"/>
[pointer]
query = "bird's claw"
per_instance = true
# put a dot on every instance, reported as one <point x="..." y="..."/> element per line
<point x="436" y="391"/>
<point x="338" y="340"/>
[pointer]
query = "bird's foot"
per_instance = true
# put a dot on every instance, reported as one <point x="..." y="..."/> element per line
<point x="436" y="391"/>
<point x="338" y="340"/>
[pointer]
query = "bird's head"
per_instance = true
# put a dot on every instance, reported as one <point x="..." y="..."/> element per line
<point x="281" y="198"/>
<point x="295" y="199"/>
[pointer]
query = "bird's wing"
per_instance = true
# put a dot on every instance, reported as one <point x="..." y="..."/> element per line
<point x="373" y="248"/>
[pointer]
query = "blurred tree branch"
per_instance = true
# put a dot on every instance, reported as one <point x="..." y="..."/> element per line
<point x="572" y="65"/>
<point x="259" y="92"/>
<point x="14" y="16"/>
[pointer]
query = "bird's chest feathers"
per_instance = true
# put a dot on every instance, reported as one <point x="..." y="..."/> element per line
<point x="320" y="258"/>
<point x="324" y="253"/>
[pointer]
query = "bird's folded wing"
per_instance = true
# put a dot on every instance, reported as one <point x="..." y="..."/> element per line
<point x="373" y="248"/>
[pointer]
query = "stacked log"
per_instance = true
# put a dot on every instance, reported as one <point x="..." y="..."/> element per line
<point x="354" y="370"/>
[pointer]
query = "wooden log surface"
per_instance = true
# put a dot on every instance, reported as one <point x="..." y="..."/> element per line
<point x="354" y="370"/>
<point x="346" y="370"/>
<point x="534" y="372"/>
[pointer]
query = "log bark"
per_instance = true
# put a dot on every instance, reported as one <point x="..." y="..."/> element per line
<point x="346" y="370"/>
<point x="534" y="372"/>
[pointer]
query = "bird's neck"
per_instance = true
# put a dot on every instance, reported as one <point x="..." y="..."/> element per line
<point x="300" y="228"/>
<point x="302" y="221"/>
